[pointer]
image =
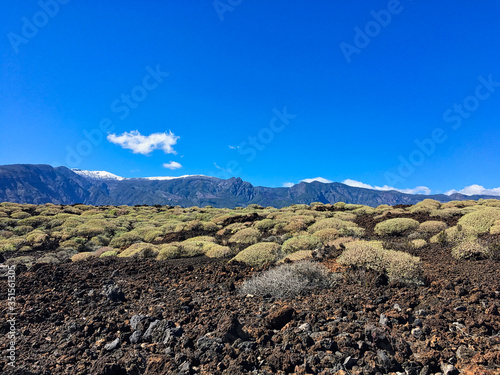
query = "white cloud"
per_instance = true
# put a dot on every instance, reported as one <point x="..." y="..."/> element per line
<point x="288" y="184"/>
<point x="172" y="165"/>
<point x="318" y="179"/>
<point x="145" y="144"/>
<point x="233" y="147"/>
<point x="476" y="190"/>
<point x="417" y="190"/>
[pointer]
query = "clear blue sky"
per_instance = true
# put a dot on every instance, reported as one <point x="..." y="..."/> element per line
<point x="419" y="69"/>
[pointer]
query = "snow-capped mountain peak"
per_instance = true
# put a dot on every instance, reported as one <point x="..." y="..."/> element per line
<point x="98" y="175"/>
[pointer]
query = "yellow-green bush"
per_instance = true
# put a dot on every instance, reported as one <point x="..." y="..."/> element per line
<point x="140" y="250"/>
<point x="469" y="249"/>
<point x="327" y="235"/>
<point x="124" y="239"/>
<point x="213" y="250"/>
<point x="458" y="204"/>
<point x="19" y="215"/>
<point x="169" y="251"/>
<point x="397" y="265"/>
<point x="110" y="253"/>
<point x="454" y="235"/>
<point x="330" y="223"/>
<point x="245" y="237"/>
<point x="200" y="238"/>
<point x="36" y="237"/>
<point x="304" y="242"/>
<point x="445" y="213"/>
<point x="481" y="220"/>
<point x="264" y="225"/>
<point x="398" y="226"/>
<point x="258" y="254"/>
<point x="432" y="226"/>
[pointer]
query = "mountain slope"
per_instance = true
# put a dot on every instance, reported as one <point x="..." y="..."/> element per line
<point x="21" y="183"/>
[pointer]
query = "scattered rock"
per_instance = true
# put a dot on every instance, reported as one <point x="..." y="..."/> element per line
<point x="112" y="345"/>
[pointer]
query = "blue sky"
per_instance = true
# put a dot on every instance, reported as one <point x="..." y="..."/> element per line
<point x="397" y="93"/>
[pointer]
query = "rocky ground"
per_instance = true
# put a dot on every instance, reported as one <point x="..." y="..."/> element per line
<point x="130" y="316"/>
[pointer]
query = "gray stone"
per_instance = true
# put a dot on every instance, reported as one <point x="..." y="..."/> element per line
<point x="135" y="338"/>
<point x="112" y="345"/>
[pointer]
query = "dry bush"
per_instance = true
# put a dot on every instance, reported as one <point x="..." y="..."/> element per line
<point x="418" y="243"/>
<point x="366" y="254"/>
<point x="289" y="280"/>
<point x="432" y="226"/>
<point x="298" y="255"/>
<point x="469" y="249"/>
<point x="481" y="220"/>
<point x="396" y="227"/>
<point x="258" y="254"/>
<point x="304" y="242"/>
<point x="82" y="256"/>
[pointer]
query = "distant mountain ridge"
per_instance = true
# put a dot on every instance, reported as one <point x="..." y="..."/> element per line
<point x="38" y="184"/>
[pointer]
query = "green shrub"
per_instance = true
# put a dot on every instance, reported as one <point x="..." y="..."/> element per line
<point x="330" y="223"/>
<point x="454" y="235"/>
<point x="19" y="215"/>
<point x="200" y="238"/>
<point x="288" y="280"/>
<point x="304" y="242"/>
<point x="36" y="237"/>
<point x="469" y="249"/>
<point x="432" y="227"/>
<point x="111" y="253"/>
<point x="264" y="225"/>
<point x="21" y="230"/>
<point x="213" y="250"/>
<point x="140" y="250"/>
<point x="245" y="237"/>
<point x="258" y="254"/>
<point x="125" y="239"/>
<point x="397" y="265"/>
<point x="445" y="213"/>
<point x="399" y="226"/>
<point x="327" y="235"/>
<point x="169" y="251"/>
<point x="481" y="220"/>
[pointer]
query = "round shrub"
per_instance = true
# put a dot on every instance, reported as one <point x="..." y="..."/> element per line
<point x="245" y="237"/>
<point x="330" y="223"/>
<point x="81" y="256"/>
<point x="327" y="235"/>
<point x="394" y="227"/>
<point x="264" y="225"/>
<point x="432" y="226"/>
<point x="111" y="253"/>
<point x="140" y="250"/>
<point x="214" y="250"/>
<point x="258" y="254"/>
<point x="298" y="255"/>
<point x="304" y="242"/>
<point x="481" y="220"/>
<point x="418" y="243"/>
<point x="469" y="249"/>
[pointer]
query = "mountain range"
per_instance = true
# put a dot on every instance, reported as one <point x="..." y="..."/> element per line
<point x="39" y="184"/>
